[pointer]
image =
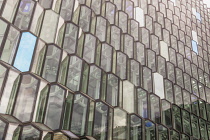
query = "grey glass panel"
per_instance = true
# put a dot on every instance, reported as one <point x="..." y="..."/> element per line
<point x="202" y="109"/>
<point x="185" y="137"/>
<point x="78" y="121"/>
<point x="10" y="45"/>
<point x="194" y="105"/>
<point x="129" y="8"/>
<point x="74" y="73"/>
<point x="186" y="100"/>
<point x="25" y="101"/>
<point x="135" y="73"/>
<point x="89" y="48"/>
<point x="120" y="124"/>
<point x="6" y="102"/>
<point x="49" y="26"/>
<point x="110" y="12"/>
<point x="9" y="9"/>
<point x="155" y="108"/>
<point x="67" y="9"/>
<point x="2" y="129"/>
<point x="30" y="133"/>
<point x="54" y="107"/>
<point x="3" y="71"/>
<point x="42" y="104"/>
<point x="1" y="1"/>
<point x="135" y="128"/>
<point x="100" y="121"/>
<point x="101" y="28"/>
<point x="142" y="103"/>
<point x="174" y="135"/>
<point x="195" y="127"/>
<point x="13" y="132"/>
<point x="169" y="91"/>
<point x="112" y="90"/>
<point x="96" y="6"/>
<point x="46" y="4"/>
<point x="186" y="122"/>
<point x="177" y="122"/>
<point x="147" y="79"/>
<point x="140" y="53"/>
<point x="134" y="29"/>
<point x="24" y="14"/>
<point x="115" y="37"/>
<point x="94" y="83"/>
<point x="3" y="25"/>
<point x="166" y="114"/>
<point x="67" y="111"/>
<point x="162" y="133"/>
<point x="70" y="38"/>
<point x="150" y="130"/>
<point x="37" y="19"/>
<point x="203" y="129"/>
<point x="122" y="21"/>
<point x="106" y="57"/>
<point x="51" y="65"/>
<point x="121" y="65"/>
<point x="85" y="18"/>
<point x="128" y="45"/>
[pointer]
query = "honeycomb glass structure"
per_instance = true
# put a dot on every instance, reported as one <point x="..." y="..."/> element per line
<point x="104" y="70"/>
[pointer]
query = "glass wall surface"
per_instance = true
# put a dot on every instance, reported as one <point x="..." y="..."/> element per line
<point x="104" y="69"/>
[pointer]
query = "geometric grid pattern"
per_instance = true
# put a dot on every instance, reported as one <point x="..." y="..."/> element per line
<point x="104" y="70"/>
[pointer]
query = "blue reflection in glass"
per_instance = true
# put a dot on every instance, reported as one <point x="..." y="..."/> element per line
<point x="194" y="46"/>
<point x="198" y="16"/>
<point x="25" y="52"/>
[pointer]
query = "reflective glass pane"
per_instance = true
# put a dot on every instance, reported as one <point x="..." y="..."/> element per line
<point x="2" y="129"/>
<point x="155" y="108"/>
<point x="9" y="9"/>
<point x="194" y="46"/>
<point x="89" y="48"/>
<point x="68" y="111"/>
<point x="94" y="83"/>
<point x="3" y="72"/>
<point x="25" y="52"/>
<point x="112" y="90"/>
<point x="29" y="132"/>
<point x="54" y="107"/>
<point x="3" y="28"/>
<point x="13" y="132"/>
<point x="67" y="9"/>
<point x="142" y="103"/>
<point x="26" y="97"/>
<point x="5" y="97"/>
<point x="150" y="130"/>
<point x="78" y="121"/>
<point x="106" y="57"/>
<point x="121" y="65"/>
<point x="100" y="121"/>
<point x="74" y="73"/>
<point x="166" y="114"/>
<point x="49" y="26"/>
<point x="10" y="45"/>
<point x="120" y="124"/>
<point x="70" y="38"/>
<point x="162" y="132"/>
<point x="24" y="14"/>
<point x="84" y="18"/>
<point x="51" y="65"/>
<point x="135" y="128"/>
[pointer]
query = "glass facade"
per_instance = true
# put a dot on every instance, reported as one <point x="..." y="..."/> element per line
<point x="104" y="70"/>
